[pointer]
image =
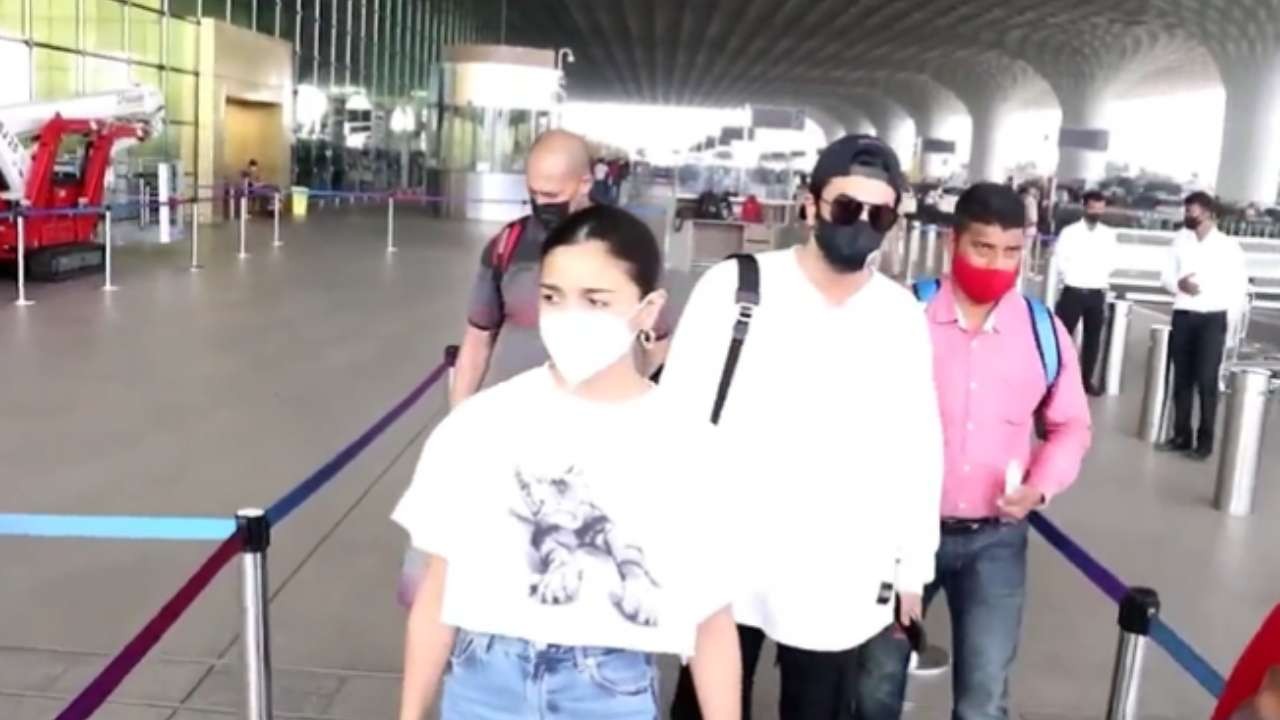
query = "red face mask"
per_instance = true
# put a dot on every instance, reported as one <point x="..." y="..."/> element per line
<point x="979" y="284"/>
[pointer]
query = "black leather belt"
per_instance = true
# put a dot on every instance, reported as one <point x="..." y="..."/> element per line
<point x="968" y="526"/>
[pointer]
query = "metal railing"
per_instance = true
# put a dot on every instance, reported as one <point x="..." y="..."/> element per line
<point x="21" y="214"/>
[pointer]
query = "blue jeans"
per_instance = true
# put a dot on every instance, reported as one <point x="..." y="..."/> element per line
<point x="984" y="575"/>
<point x="491" y="677"/>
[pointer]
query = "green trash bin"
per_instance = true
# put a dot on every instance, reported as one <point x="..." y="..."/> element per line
<point x="299" y="195"/>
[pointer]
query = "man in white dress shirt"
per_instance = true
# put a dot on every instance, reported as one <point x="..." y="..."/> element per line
<point x="1085" y="259"/>
<point x="1210" y="283"/>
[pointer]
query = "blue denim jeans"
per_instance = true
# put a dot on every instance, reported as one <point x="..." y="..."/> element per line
<point x="491" y="677"/>
<point x="984" y="575"/>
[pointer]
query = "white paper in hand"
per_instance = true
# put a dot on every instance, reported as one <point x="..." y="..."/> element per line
<point x="1013" y="475"/>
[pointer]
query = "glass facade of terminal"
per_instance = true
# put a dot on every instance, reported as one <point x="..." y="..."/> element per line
<point x="387" y="50"/>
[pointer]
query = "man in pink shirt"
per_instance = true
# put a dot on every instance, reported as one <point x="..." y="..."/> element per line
<point x="992" y="389"/>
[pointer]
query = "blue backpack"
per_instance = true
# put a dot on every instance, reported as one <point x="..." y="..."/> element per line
<point x="1041" y="323"/>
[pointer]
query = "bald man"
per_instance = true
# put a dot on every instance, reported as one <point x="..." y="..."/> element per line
<point x="501" y="337"/>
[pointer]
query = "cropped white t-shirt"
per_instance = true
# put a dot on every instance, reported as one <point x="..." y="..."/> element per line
<point x="571" y="522"/>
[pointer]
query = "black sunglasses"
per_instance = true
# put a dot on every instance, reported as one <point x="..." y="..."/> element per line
<point x="845" y="210"/>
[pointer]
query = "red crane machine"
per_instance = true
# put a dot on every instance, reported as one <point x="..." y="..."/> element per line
<point x="71" y="146"/>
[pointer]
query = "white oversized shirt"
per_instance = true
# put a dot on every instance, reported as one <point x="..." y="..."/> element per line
<point x="1216" y="264"/>
<point x="1085" y="257"/>
<point x="833" y="418"/>
<point x="571" y="522"/>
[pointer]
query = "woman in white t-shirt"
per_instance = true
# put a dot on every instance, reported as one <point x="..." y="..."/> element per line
<point x="573" y="525"/>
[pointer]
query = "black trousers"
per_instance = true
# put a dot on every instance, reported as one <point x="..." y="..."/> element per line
<point x="1091" y="306"/>
<point x="1195" y="347"/>
<point x="815" y="685"/>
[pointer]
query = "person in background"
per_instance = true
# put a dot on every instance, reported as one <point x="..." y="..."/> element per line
<point x="599" y="193"/>
<point x="501" y="336"/>
<point x="575" y="524"/>
<point x="991" y="386"/>
<point x="1085" y="257"/>
<point x="250" y="182"/>
<point x="832" y="418"/>
<point x="1210" y="282"/>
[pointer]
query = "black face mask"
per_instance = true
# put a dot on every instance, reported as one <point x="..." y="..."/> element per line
<point x="550" y="215"/>
<point x="1092" y="218"/>
<point x="847" y="247"/>
<point x="1190" y="223"/>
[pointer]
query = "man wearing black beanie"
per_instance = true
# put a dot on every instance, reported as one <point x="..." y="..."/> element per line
<point x="818" y="373"/>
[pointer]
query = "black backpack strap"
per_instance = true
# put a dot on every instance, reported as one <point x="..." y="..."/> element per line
<point x="747" y="298"/>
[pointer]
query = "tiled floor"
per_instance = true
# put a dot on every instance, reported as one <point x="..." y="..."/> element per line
<point x="199" y="394"/>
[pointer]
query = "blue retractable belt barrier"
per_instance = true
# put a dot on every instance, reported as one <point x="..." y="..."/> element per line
<point x="116" y="527"/>
<point x="1110" y="585"/>
<point x="1113" y="587"/>
<point x="318" y="479"/>
<point x="62" y="212"/>
<point x="1186" y="657"/>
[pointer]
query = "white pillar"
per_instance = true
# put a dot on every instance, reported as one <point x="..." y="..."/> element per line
<point x="937" y="159"/>
<point x="1250" y="166"/>
<point x="860" y="125"/>
<point x="1083" y="140"/>
<point x="985" y="160"/>
<point x="898" y="132"/>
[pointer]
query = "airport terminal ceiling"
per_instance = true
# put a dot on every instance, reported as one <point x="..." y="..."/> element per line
<point x="922" y="57"/>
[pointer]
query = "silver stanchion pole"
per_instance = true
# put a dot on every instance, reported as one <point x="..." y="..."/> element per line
<point x="1138" y="608"/>
<point x="929" y="251"/>
<point x="255" y="636"/>
<point x="107" y="285"/>
<point x="910" y="251"/>
<point x="195" y="236"/>
<point x="1051" y="282"/>
<point x="244" y="214"/>
<point x="1117" y="338"/>
<point x="1248" y="390"/>
<point x="942" y="251"/>
<point x="21" y="219"/>
<point x="1155" y="392"/>
<point x="275" y="221"/>
<point x="391" y="223"/>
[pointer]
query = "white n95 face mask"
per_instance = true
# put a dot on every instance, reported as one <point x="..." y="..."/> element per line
<point x="581" y="343"/>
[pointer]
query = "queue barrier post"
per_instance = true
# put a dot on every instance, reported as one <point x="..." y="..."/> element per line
<point x="107" y="285"/>
<point x="256" y="633"/>
<point x="1117" y="337"/>
<point x="195" y="265"/>
<point x="929" y="251"/>
<point x="1248" y="390"/>
<point x="21" y="220"/>
<point x="144" y="209"/>
<point x="1051" y="281"/>
<point x="1139" y="607"/>
<point x="910" y="251"/>
<point x="244" y="215"/>
<point x="1153" y="422"/>
<point x="391" y="223"/>
<point x="275" y="220"/>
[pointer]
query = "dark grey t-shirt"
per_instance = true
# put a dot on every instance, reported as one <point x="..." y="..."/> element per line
<point x="507" y="304"/>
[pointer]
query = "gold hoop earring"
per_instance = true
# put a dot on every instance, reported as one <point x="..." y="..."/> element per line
<point x="646" y="338"/>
